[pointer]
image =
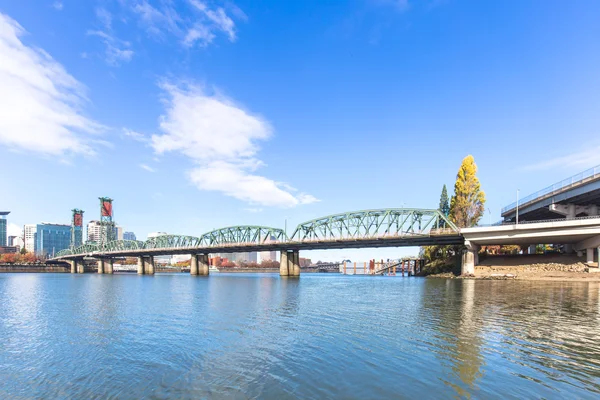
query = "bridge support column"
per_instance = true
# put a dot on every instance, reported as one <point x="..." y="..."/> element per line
<point x="194" y="265"/>
<point x="109" y="266"/>
<point x="140" y="265"/>
<point x="80" y="266"/>
<point x="470" y="258"/>
<point x="532" y="249"/>
<point x="290" y="263"/>
<point x="73" y="266"/>
<point x="283" y="264"/>
<point x="590" y="256"/>
<point x="100" y="266"/>
<point x="149" y="265"/>
<point x="203" y="268"/>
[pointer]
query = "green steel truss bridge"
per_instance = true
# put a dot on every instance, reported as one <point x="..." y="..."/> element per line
<point x="360" y="229"/>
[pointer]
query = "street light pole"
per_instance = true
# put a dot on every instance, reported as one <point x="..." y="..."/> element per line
<point x="517" y="206"/>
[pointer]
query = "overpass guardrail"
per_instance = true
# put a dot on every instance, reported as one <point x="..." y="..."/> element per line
<point x="576" y="179"/>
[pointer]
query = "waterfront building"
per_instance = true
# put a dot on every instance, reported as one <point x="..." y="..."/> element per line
<point x="94" y="231"/>
<point x="52" y="238"/>
<point x="119" y="232"/>
<point x="30" y="235"/>
<point x="3" y="227"/>
<point x="18" y="242"/>
<point x="129" y="236"/>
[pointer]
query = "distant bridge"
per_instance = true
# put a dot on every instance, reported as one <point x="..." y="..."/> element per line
<point x="360" y="229"/>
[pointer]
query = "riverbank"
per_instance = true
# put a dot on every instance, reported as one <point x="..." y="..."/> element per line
<point x="33" y="268"/>
<point x="550" y="267"/>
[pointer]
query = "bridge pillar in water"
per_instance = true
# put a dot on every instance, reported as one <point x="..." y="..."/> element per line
<point x="194" y="265"/>
<point x="108" y="266"/>
<point x="470" y="259"/>
<point x="283" y="264"/>
<point x="73" y="266"/>
<point x="140" y="265"/>
<point x="80" y="265"/>
<point x="289" y="264"/>
<point x="149" y="265"/>
<point x="100" y="266"/>
<point x="203" y="268"/>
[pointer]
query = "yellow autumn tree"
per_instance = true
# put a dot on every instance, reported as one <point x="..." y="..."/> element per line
<point x="467" y="204"/>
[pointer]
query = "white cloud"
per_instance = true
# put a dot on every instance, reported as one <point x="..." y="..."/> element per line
<point x="147" y="168"/>
<point x="139" y="137"/>
<point x="218" y="18"/>
<point x="58" y="5"/>
<point x="221" y="138"/>
<point x="199" y="33"/>
<point x="116" y="51"/>
<point x="104" y="17"/>
<point x="253" y="210"/>
<point x="40" y="103"/>
<point x="583" y="159"/>
<point x="197" y="27"/>
<point x="14" y="230"/>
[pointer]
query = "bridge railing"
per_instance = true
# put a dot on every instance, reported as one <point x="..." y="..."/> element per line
<point x="557" y="187"/>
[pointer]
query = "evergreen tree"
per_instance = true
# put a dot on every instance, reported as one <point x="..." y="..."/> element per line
<point x="467" y="205"/>
<point x="444" y="202"/>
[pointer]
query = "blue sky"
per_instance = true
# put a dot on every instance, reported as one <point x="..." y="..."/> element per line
<point x="196" y="114"/>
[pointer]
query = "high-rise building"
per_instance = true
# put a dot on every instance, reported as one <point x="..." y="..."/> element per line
<point x="30" y="235"/>
<point x="52" y="238"/>
<point x="129" y="236"/>
<point x="118" y="233"/>
<point x="3" y="227"/>
<point x="17" y="242"/>
<point x="94" y="230"/>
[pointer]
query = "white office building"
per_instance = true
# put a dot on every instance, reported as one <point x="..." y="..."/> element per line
<point x="30" y="231"/>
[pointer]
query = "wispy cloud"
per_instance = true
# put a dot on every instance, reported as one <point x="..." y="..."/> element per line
<point x="199" y="27"/>
<point x="585" y="158"/>
<point x="58" y="5"/>
<point x="222" y="140"/>
<point x="40" y="102"/>
<point x="117" y="51"/>
<point x="139" y="137"/>
<point x="147" y="168"/>
<point x="253" y="210"/>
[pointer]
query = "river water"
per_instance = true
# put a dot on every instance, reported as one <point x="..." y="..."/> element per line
<point x="320" y="336"/>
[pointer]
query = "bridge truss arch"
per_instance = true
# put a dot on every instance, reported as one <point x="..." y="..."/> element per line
<point x="374" y="224"/>
<point x="245" y="234"/>
<point x="172" y="241"/>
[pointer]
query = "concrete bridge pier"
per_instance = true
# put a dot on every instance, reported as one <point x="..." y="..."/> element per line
<point x="140" y="265"/>
<point x="470" y="259"/>
<point x="194" y="265"/>
<point x="100" y="266"/>
<point x="590" y="256"/>
<point x="80" y="266"/>
<point x="289" y="264"/>
<point x="73" y="266"/>
<point x="203" y="268"/>
<point x="149" y="265"/>
<point x="108" y="266"/>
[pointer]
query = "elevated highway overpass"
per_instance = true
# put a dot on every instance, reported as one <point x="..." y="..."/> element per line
<point x="576" y="196"/>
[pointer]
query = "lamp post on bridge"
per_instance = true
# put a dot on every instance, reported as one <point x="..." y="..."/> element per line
<point x="517" y="206"/>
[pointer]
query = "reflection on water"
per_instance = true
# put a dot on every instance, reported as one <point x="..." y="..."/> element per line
<point x="320" y="336"/>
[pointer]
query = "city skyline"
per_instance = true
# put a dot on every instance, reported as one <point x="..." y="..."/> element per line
<point x="375" y="107"/>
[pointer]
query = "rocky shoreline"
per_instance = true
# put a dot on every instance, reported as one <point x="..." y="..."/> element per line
<point x="563" y="268"/>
